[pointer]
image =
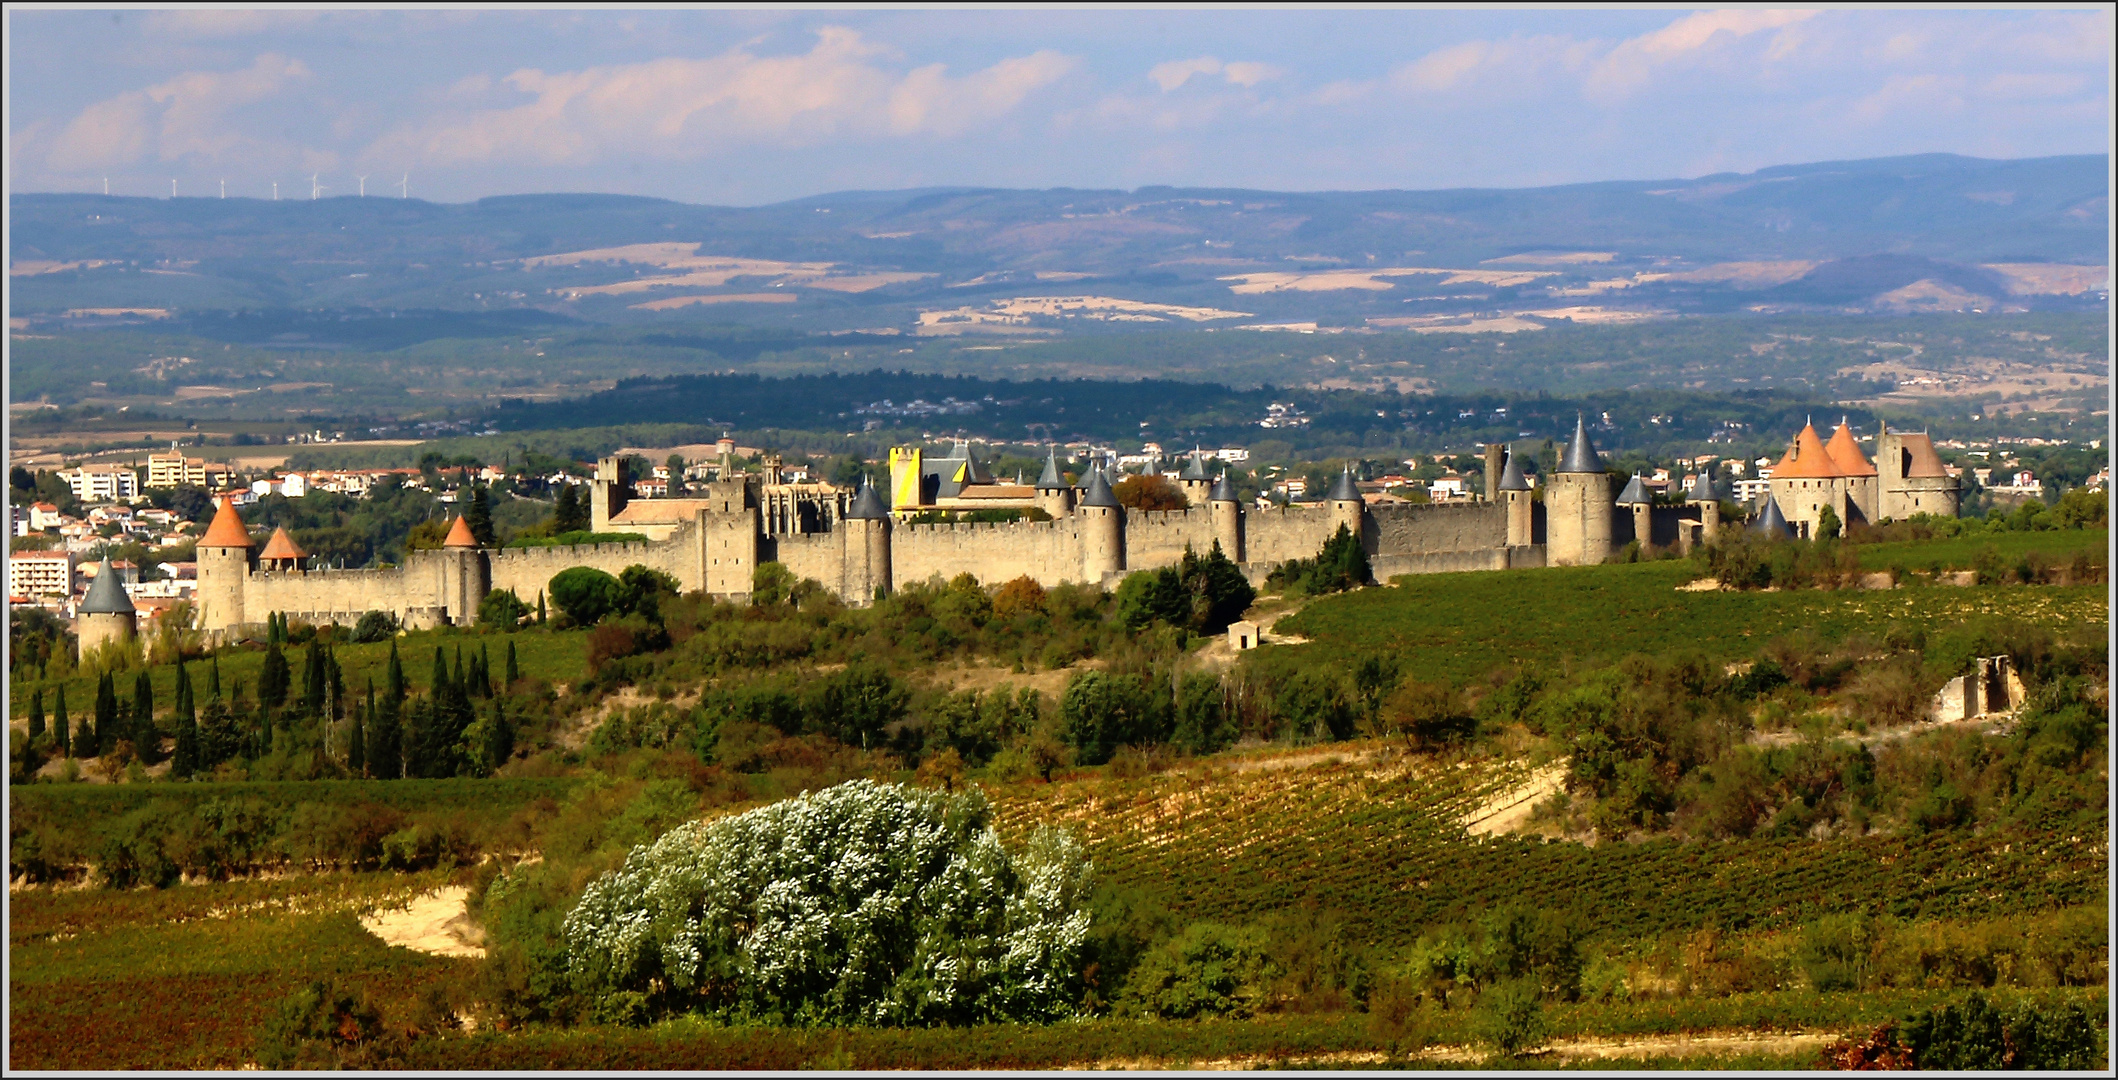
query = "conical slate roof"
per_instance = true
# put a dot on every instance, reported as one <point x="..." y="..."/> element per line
<point x="1099" y="492"/>
<point x="1702" y="488"/>
<point x="1772" y="523"/>
<point x="1581" y="456"/>
<point x="868" y="505"/>
<point x="1635" y="493"/>
<point x="106" y="595"/>
<point x="227" y="528"/>
<point x="1051" y="478"/>
<point x="1342" y="489"/>
<point x="1511" y="478"/>
<point x="282" y="546"/>
<point x="1196" y="468"/>
<point x="1223" y="491"/>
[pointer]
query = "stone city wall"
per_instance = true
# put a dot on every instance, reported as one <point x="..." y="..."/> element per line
<point x="1048" y="552"/>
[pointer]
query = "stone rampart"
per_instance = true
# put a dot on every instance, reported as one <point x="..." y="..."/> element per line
<point x="1157" y="538"/>
<point x="1413" y="529"/>
<point x="1048" y="552"/>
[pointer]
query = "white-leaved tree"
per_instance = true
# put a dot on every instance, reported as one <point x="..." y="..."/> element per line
<point x="865" y="903"/>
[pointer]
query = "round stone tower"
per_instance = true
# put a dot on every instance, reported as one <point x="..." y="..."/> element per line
<point x="1347" y="506"/>
<point x="1196" y="484"/>
<point x="1514" y="490"/>
<point x="1636" y="499"/>
<point x="1707" y="498"/>
<point x="1054" y="495"/>
<point x="867" y="550"/>
<point x="1577" y="505"/>
<point x="465" y="576"/>
<point x="106" y="614"/>
<point x="1227" y="518"/>
<point x="1102" y="529"/>
<point x="224" y="570"/>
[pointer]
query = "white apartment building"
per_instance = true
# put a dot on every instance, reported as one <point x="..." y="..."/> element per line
<point x="34" y="574"/>
<point x="102" y="483"/>
<point x="175" y="470"/>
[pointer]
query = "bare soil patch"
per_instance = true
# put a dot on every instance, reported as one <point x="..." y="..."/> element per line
<point x="437" y="923"/>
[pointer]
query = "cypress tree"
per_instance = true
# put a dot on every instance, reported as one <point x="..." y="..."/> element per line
<point x="540" y="607"/>
<point x="499" y="737"/>
<point x="439" y="682"/>
<point x="213" y="678"/>
<point x="386" y="735"/>
<point x="485" y="672"/>
<point x="513" y="672"/>
<point x="337" y="691"/>
<point x="59" y="725"/>
<point x="36" y="714"/>
<point x="146" y="740"/>
<point x="186" y="758"/>
<point x="393" y="681"/>
<point x="564" y="511"/>
<point x="460" y="678"/>
<point x="272" y="680"/>
<point x="356" y="740"/>
<point x="480" y="516"/>
<point x="106" y="715"/>
<point x="314" y="682"/>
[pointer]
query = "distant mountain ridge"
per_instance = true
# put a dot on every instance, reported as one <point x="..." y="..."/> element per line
<point x="908" y="259"/>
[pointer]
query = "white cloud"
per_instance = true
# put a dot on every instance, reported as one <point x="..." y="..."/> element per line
<point x="680" y="108"/>
<point x="1171" y="74"/>
<point x="183" y="117"/>
<point x="1634" y="62"/>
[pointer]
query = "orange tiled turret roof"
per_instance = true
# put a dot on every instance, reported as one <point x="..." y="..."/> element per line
<point x="460" y="535"/>
<point x="1845" y="453"/>
<point x="282" y="546"/>
<point x="227" y="528"/>
<point x="1807" y="459"/>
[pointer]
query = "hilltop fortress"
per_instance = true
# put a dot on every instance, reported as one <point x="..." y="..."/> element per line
<point x="859" y="547"/>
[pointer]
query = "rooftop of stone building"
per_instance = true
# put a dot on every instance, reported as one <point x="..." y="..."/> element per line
<point x="227" y="529"/>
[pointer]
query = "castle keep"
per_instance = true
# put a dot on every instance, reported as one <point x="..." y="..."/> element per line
<point x="859" y="546"/>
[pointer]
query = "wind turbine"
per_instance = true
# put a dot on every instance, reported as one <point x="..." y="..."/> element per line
<point x="224" y="187"/>
<point x="403" y="186"/>
<point x="363" y="187"/>
<point x="275" y="191"/>
<point x="106" y="185"/>
<point x="172" y="187"/>
<point x="315" y="188"/>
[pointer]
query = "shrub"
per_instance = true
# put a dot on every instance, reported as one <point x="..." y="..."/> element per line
<point x="1511" y="1016"/>
<point x="863" y="904"/>
<point x="1022" y="596"/>
<point x="1210" y="969"/>
<point x="1975" y="1036"/>
<point x="1341" y="565"/>
<point x="585" y="594"/>
<point x="501" y="608"/>
<point x="322" y="1025"/>
<point x="375" y="626"/>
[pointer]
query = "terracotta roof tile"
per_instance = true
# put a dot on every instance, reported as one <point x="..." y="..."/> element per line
<point x="227" y="528"/>
<point x="1807" y="459"/>
<point x="460" y="535"/>
<point x="282" y="546"/>
<point x="1845" y="452"/>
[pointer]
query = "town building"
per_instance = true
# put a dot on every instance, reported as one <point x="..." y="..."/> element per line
<point x="33" y="575"/>
<point x="173" y="469"/>
<point x="102" y="483"/>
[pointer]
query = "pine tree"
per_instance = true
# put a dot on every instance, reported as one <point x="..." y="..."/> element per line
<point x="106" y="732"/>
<point x="273" y="679"/>
<point x="59" y="725"/>
<point x="513" y="672"/>
<point x="36" y="714"/>
<point x="480" y="516"/>
<point x="146" y="740"/>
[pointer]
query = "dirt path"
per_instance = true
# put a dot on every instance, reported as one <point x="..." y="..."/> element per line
<point x="1559" y="1050"/>
<point x="435" y="922"/>
<point x="1510" y="808"/>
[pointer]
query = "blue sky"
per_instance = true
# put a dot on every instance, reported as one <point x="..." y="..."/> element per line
<point x="735" y="107"/>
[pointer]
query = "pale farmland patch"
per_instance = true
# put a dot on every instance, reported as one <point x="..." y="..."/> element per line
<point x="2051" y="279"/>
<point x="1335" y="280"/>
<point x="1552" y="258"/>
<point x="668" y="303"/>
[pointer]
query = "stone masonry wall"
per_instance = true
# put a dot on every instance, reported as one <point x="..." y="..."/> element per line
<point x="1047" y="551"/>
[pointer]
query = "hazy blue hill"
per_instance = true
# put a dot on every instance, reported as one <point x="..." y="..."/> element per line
<point x="1162" y="245"/>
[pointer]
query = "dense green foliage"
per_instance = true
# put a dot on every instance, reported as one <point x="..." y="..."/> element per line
<point x="1202" y="594"/>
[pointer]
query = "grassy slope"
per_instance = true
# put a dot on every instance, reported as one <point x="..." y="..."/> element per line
<point x="558" y="657"/>
<point x="1462" y="625"/>
<point x="1960" y="552"/>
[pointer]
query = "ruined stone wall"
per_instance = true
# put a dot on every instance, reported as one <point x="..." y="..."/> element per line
<point x="1049" y="552"/>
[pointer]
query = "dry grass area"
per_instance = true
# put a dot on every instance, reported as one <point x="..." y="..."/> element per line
<point x="1742" y="275"/>
<point x="34" y="267"/>
<point x="1014" y="315"/>
<point x="116" y="312"/>
<point x="1929" y="295"/>
<point x="708" y="271"/>
<point x="2038" y="388"/>
<point x="860" y="283"/>
<point x="1332" y="280"/>
<point x="1457" y="324"/>
<point x="673" y="302"/>
<point x="2051" y="279"/>
<point x="1594" y="314"/>
<point x="1551" y="258"/>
